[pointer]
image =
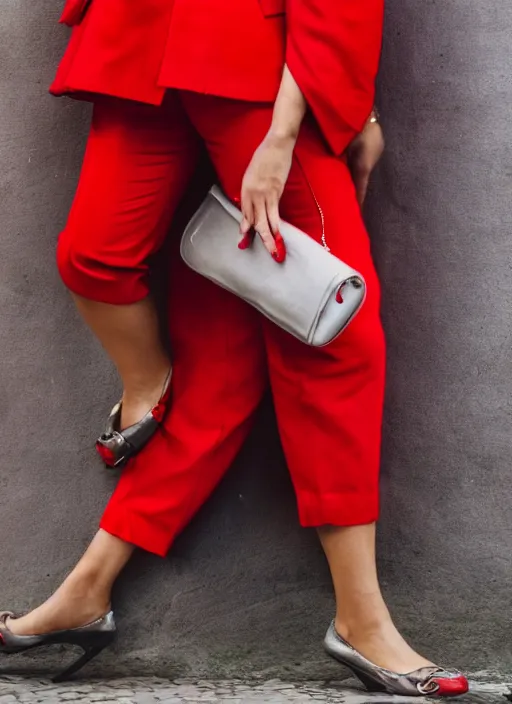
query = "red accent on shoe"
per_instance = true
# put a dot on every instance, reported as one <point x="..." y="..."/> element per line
<point x="339" y="297"/>
<point x="158" y="412"/>
<point x="160" y="409"/>
<point x="106" y="455"/>
<point x="451" y="686"/>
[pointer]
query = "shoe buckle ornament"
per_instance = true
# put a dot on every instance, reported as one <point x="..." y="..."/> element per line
<point x="429" y="687"/>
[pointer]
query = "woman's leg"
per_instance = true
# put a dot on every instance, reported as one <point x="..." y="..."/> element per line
<point x="334" y="397"/>
<point x="130" y="334"/>
<point x="329" y="401"/>
<point x="138" y="162"/>
<point x="362" y="617"/>
<point x="85" y="595"/>
<point x="219" y="379"/>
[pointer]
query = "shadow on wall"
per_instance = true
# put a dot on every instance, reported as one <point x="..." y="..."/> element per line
<point x="441" y="228"/>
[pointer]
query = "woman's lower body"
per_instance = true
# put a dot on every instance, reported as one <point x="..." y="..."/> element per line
<point x="328" y="401"/>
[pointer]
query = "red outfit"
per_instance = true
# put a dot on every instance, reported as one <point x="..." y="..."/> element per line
<point x="230" y="48"/>
<point x="138" y="163"/>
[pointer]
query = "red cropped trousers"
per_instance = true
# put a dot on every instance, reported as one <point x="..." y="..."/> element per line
<point x="138" y="163"/>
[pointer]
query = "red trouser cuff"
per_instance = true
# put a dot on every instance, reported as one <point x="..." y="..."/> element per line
<point x="337" y="509"/>
<point x="138" y="531"/>
<point x="314" y="511"/>
<point x="101" y="283"/>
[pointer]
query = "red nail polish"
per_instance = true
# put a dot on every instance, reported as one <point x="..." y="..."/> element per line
<point x="278" y="256"/>
<point x="280" y="247"/>
<point x="281" y="254"/>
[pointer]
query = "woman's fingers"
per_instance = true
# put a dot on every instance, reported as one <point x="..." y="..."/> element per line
<point x="255" y="217"/>
<point x="272" y="208"/>
<point x="262" y="216"/>
<point x="248" y="215"/>
<point x="246" y="226"/>
<point x="247" y="239"/>
<point x="262" y="226"/>
<point x="274" y="220"/>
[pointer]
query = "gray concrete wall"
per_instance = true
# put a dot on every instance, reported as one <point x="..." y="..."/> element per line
<point x="245" y="590"/>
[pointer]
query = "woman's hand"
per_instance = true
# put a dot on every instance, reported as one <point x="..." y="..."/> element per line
<point x="363" y="155"/>
<point x="262" y="188"/>
<point x="266" y="175"/>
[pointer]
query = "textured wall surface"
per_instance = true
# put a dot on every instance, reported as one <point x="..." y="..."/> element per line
<point x="245" y="590"/>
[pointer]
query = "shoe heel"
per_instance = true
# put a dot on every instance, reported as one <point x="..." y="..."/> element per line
<point x="90" y="652"/>
<point x="370" y="684"/>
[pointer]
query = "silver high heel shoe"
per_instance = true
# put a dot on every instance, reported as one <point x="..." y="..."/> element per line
<point x="116" y="447"/>
<point x="92" y="638"/>
<point x="428" y="681"/>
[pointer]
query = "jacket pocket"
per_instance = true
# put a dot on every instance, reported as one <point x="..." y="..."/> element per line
<point x="74" y="12"/>
<point x="273" y="8"/>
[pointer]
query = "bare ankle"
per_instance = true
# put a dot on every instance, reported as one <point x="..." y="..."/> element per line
<point x="141" y="395"/>
<point x="152" y="383"/>
<point x="89" y="586"/>
<point x="367" y="626"/>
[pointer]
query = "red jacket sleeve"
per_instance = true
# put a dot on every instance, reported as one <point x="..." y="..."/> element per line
<point x="333" y="52"/>
<point x="73" y="12"/>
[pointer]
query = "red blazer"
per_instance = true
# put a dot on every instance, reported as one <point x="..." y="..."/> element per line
<point x="136" y="49"/>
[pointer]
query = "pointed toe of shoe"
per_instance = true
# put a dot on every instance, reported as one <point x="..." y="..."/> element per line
<point x="445" y="684"/>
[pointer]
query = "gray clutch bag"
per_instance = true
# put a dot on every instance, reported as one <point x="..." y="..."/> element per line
<point x="312" y="294"/>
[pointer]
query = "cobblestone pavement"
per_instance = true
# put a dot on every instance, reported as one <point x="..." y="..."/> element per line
<point x="158" y="691"/>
